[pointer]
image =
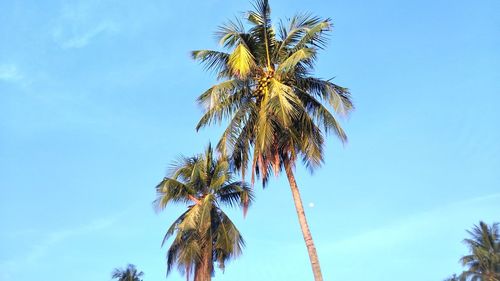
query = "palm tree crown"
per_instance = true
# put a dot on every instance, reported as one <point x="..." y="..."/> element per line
<point x="276" y="108"/>
<point x="129" y="273"/>
<point x="483" y="262"/>
<point x="204" y="234"/>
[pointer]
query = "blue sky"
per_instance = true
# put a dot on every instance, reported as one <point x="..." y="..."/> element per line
<point x="98" y="97"/>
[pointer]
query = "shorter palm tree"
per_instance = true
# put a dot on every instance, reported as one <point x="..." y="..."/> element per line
<point x="483" y="263"/>
<point x="129" y="273"/>
<point x="204" y="234"/>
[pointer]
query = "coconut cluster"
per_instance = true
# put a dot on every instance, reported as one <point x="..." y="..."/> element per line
<point x="263" y="82"/>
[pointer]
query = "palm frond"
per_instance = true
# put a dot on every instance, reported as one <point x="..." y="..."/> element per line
<point x="303" y="55"/>
<point x="241" y="61"/>
<point x="212" y="60"/>
<point x="262" y="31"/>
<point x="231" y="33"/>
<point x="242" y="118"/>
<point x="204" y="221"/>
<point x="266" y="131"/>
<point x="314" y="36"/>
<point x="175" y="226"/>
<point x="283" y="102"/>
<point x="221" y="107"/>
<point x="292" y="33"/>
<point x="228" y="241"/>
<point x="338" y="97"/>
<point x="171" y="190"/>
<point x="235" y="194"/>
<point x="130" y="273"/>
<point x="220" y="175"/>
<point x="322" y="115"/>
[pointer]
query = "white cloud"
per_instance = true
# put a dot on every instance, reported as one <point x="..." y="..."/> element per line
<point x="9" y="267"/>
<point x="80" y="23"/>
<point x="9" y="73"/>
<point x="82" y="38"/>
<point x="429" y="240"/>
<point x="59" y="236"/>
<point x="433" y="222"/>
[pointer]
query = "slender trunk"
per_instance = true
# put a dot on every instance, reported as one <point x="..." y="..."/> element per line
<point x="313" y="256"/>
<point x="198" y="272"/>
<point x="204" y="268"/>
<point x="203" y="271"/>
<point x="207" y="263"/>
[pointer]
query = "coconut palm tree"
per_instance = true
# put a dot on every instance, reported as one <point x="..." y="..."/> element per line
<point x="204" y="234"/>
<point x="129" y="273"/>
<point x="483" y="262"/>
<point x="276" y="109"/>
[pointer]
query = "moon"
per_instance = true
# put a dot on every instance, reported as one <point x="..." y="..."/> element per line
<point x="311" y="205"/>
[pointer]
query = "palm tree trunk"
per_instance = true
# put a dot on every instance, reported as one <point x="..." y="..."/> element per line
<point x="311" y="249"/>
<point x="203" y="271"/>
<point x="207" y="264"/>
<point x="198" y="273"/>
<point x="204" y="268"/>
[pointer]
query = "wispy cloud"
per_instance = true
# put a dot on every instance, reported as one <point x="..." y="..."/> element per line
<point x="9" y="267"/>
<point x="433" y="222"/>
<point x="429" y="240"/>
<point x="59" y="236"/>
<point x="80" y="23"/>
<point x="79" y="39"/>
<point x="10" y="73"/>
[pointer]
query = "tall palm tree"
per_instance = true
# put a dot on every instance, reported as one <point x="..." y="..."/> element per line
<point x="483" y="263"/>
<point x="204" y="234"/>
<point x="129" y="273"/>
<point x="277" y="111"/>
